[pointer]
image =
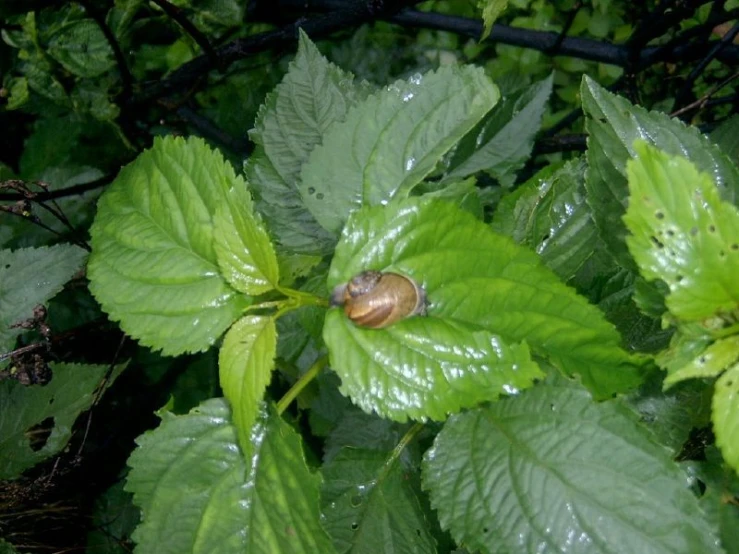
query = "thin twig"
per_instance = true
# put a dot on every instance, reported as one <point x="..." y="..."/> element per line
<point x="175" y="13"/>
<point x="703" y="100"/>
<point x="727" y="39"/>
<point x="565" y="29"/>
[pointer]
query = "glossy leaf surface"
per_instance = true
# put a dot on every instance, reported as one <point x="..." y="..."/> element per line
<point x="549" y="214"/>
<point x="268" y="506"/>
<point x="313" y="95"/>
<point x="245" y="254"/>
<point x="488" y="299"/>
<point x="550" y="470"/>
<point x="392" y="140"/>
<point x="613" y="124"/>
<point x="725" y="415"/>
<point x="683" y="234"/>
<point x="369" y="505"/>
<point x="245" y="363"/>
<point x="154" y="266"/>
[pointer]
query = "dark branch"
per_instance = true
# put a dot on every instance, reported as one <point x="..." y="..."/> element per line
<point x="586" y="49"/>
<point x="282" y="38"/>
<point x="59" y="193"/>
<point x="202" y="41"/>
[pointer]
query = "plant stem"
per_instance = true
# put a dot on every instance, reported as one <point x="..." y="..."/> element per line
<point x="398" y="450"/>
<point x="301" y="383"/>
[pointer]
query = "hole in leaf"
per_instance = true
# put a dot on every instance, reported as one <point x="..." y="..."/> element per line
<point x="418" y="532"/>
<point x="670" y="233"/>
<point x="7" y="266"/>
<point x="356" y="500"/>
<point x="38" y="434"/>
<point x="702" y="360"/>
<point x="545" y="237"/>
<point x="678" y="278"/>
<point x="735" y="247"/>
<point x="730" y="383"/>
<point x="484" y="529"/>
<point x="355" y="526"/>
<point x="311" y="190"/>
<point x="656" y="242"/>
<point x="712" y="228"/>
<point x="319" y="196"/>
<point x="659" y="215"/>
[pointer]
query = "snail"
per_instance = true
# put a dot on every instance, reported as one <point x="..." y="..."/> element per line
<point x="375" y="300"/>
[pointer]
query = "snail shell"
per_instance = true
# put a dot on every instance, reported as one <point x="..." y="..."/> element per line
<point x="374" y="299"/>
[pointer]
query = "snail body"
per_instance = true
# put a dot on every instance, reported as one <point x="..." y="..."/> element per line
<point x="374" y="299"/>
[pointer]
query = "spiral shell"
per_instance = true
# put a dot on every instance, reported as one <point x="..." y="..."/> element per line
<point x="375" y="300"/>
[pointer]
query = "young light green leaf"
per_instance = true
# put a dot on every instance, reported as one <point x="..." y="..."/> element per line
<point x="549" y="214"/>
<point x="502" y="142"/>
<point x="370" y="506"/>
<point x="683" y="234"/>
<point x="392" y="140"/>
<point x="246" y="361"/>
<point x="198" y="495"/>
<point x="505" y="479"/>
<point x="613" y="124"/>
<point x="489" y="298"/>
<point x="154" y="266"/>
<point x="313" y="95"/>
<point x="709" y="363"/>
<point x="29" y="277"/>
<point x="245" y="254"/>
<point x="81" y="47"/>
<point x="491" y="10"/>
<point x="725" y="416"/>
<point x="70" y="392"/>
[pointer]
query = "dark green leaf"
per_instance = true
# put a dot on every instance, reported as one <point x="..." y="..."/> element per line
<point x="370" y="507"/>
<point x="392" y="140"/>
<point x="31" y="411"/>
<point x="502" y="142"/>
<point x="81" y="47"/>
<point x="613" y="124"/>
<point x="551" y="470"/>
<point x="197" y="494"/>
<point x="314" y="95"/>
<point x="29" y="277"/>
<point x="549" y="214"/>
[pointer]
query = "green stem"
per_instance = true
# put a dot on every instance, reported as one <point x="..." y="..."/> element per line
<point x="301" y="383"/>
<point x="398" y="450"/>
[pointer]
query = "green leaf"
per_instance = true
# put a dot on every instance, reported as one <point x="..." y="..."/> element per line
<point x="683" y="234"/>
<point x="29" y="277"/>
<point x="246" y="361"/>
<point x="613" y="124"/>
<point x="726" y="137"/>
<point x="488" y="299"/>
<point x="154" y="266"/>
<point x="551" y="470"/>
<point x="502" y="142"/>
<point x="392" y="140"/>
<point x="725" y="416"/>
<point x="244" y="251"/>
<point x="370" y="507"/>
<point x="313" y="95"/>
<point x="491" y="10"/>
<point x="198" y="495"/>
<point x="31" y="410"/>
<point x="711" y="361"/>
<point x="549" y="214"/>
<point x="113" y="520"/>
<point x="81" y="47"/>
